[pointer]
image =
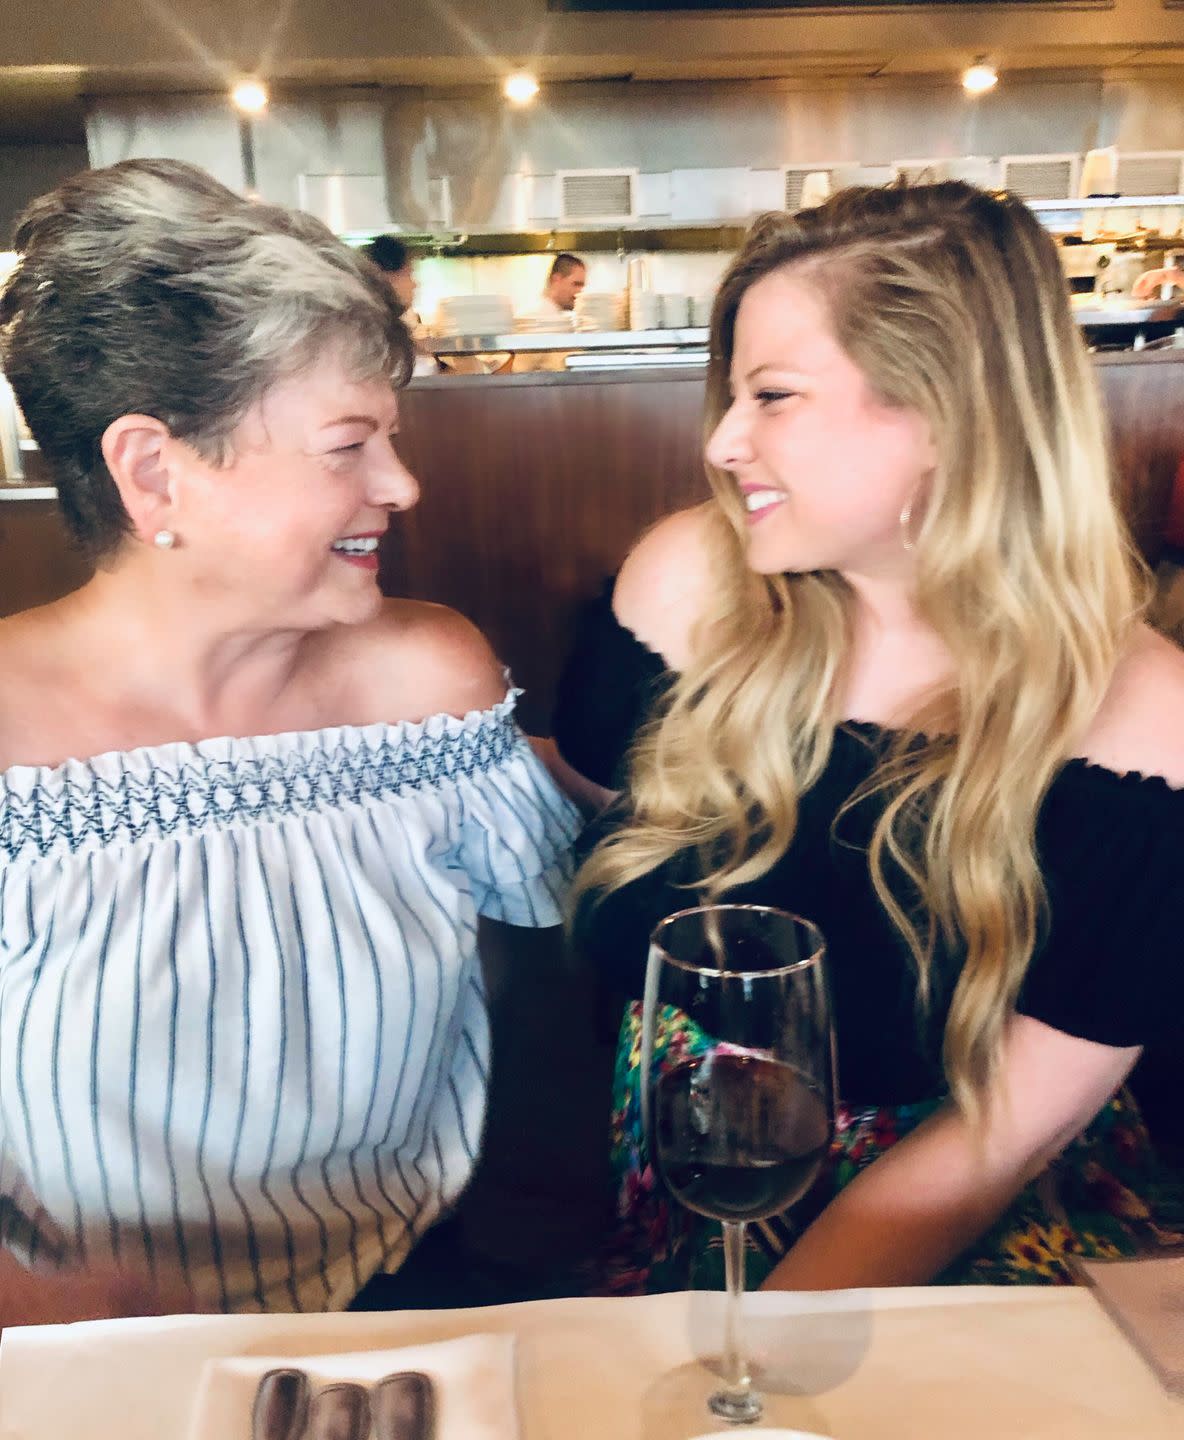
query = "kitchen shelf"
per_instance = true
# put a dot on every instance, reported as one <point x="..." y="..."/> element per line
<point x="552" y="340"/>
<point x="1108" y="202"/>
<point x="654" y="237"/>
<point x="1154" y="312"/>
<point x="11" y="491"/>
<point x="461" y="244"/>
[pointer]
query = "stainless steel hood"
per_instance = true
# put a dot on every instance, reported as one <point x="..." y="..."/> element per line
<point x="373" y="157"/>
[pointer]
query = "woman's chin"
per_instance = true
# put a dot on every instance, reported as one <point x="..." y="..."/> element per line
<point x="778" y="560"/>
<point x="337" y="605"/>
<point x="359" y="608"/>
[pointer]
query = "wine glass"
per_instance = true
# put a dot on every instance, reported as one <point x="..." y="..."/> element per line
<point x="739" y="1119"/>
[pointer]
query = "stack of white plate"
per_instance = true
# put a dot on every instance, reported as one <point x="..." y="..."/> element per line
<point x="475" y="315"/>
<point x="600" y="311"/>
<point x="701" y="311"/>
<point x="645" y="310"/>
<point x="676" y="311"/>
<point x="562" y="323"/>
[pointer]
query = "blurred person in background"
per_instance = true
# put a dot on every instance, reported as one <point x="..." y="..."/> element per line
<point x="1148" y="283"/>
<point x="554" y="310"/>
<point x="565" y="283"/>
<point x="395" y="261"/>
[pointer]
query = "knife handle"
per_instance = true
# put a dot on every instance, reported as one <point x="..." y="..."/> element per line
<point x="404" y="1407"/>
<point x="339" y="1412"/>
<point x="281" y="1406"/>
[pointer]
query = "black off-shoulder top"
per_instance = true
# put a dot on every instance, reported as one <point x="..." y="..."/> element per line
<point x="1109" y="966"/>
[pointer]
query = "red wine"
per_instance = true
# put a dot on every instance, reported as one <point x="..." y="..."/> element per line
<point x="739" y="1137"/>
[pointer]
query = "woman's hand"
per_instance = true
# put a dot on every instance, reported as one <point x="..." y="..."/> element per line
<point x="59" y="1297"/>
<point x="590" y="797"/>
<point x="1149" y="282"/>
<point x="912" y="1212"/>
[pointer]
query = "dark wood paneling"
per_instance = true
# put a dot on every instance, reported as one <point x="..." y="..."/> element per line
<point x="1144" y="397"/>
<point x="534" y="488"/>
<point x="38" y="563"/>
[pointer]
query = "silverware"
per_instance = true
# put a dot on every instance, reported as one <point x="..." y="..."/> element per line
<point x="281" y="1406"/>
<point x="339" y="1412"/>
<point x="404" y="1407"/>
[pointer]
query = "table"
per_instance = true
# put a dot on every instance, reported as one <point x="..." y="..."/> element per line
<point x="921" y="1364"/>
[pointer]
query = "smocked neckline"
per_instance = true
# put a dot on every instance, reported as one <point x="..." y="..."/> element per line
<point x="1092" y="770"/>
<point x="182" y="754"/>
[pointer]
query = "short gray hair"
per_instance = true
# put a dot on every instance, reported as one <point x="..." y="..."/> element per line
<point x="149" y="288"/>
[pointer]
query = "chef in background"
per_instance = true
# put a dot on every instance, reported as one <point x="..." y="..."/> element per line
<point x="554" y="310"/>
<point x="566" y="280"/>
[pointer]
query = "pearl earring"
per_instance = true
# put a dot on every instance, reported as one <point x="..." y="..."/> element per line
<point x="906" y="516"/>
<point x="164" y="539"/>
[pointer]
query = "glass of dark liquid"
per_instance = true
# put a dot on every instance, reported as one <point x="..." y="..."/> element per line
<point x="739" y="1121"/>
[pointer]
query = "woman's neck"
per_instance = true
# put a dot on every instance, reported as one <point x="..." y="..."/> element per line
<point x="898" y="661"/>
<point x="164" y="653"/>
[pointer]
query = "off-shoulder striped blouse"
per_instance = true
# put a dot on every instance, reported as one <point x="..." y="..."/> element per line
<point x="243" y="1034"/>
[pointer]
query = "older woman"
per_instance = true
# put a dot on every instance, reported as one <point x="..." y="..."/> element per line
<point x="249" y="813"/>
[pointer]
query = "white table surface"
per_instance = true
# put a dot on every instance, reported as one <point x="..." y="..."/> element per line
<point x="973" y="1364"/>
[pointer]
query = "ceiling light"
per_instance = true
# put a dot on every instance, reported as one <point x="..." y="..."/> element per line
<point x="520" y="88"/>
<point x="980" y="77"/>
<point x="250" y="97"/>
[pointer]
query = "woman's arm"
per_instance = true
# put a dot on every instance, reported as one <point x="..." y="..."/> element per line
<point x="622" y="656"/>
<point x="917" y="1208"/>
<point x="1149" y="282"/>
<point x="59" y="1297"/>
<point x="587" y="794"/>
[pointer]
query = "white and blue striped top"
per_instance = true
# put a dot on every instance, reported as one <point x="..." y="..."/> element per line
<point x="242" y="1024"/>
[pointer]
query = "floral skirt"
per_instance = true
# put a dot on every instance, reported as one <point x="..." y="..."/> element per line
<point x="1106" y="1197"/>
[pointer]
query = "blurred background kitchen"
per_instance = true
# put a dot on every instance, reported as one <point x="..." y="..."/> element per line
<point x="490" y="136"/>
<point x="642" y="138"/>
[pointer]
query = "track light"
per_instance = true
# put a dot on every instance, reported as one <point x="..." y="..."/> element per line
<point x="249" y="96"/>
<point x="520" y="88"/>
<point x="980" y="77"/>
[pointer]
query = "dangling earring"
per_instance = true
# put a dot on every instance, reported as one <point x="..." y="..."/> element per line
<point x="164" y="539"/>
<point x="905" y="516"/>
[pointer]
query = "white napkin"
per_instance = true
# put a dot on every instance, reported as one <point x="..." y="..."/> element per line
<point x="473" y="1378"/>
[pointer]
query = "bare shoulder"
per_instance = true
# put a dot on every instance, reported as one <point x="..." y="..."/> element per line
<point x="662" y="587"/>
<point x="414" y="660"/>
<point x="1140" y="726"/>
<point x="35" y="649"/>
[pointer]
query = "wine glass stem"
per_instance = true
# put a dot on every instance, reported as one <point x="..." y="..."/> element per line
<point x="736" y="1374"/>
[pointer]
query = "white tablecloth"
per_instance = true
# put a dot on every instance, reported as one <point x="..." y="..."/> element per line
<point x="974" y="1364"/>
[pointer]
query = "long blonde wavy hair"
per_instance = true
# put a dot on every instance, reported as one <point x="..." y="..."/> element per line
<point x="952" y="303"/>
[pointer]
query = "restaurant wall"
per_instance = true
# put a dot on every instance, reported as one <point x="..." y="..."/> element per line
<point x="27" y="171"/>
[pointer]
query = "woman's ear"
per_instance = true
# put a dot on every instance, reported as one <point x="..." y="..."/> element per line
<point x="134" y="449"/>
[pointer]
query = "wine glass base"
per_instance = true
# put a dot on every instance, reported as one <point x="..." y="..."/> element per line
<point x="738" y="1409"/>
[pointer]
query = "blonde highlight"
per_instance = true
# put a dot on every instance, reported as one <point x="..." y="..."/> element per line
<point x="952" y="303"/>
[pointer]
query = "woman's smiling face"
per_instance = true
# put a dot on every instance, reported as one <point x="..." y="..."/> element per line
<point x="287" y="530"/>
<point x="825" y="467"/>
